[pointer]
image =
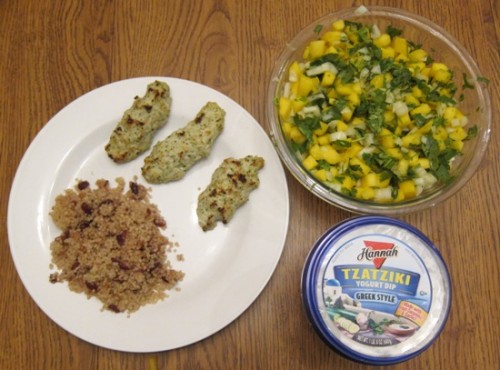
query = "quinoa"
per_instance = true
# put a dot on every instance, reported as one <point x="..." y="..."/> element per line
<point x="111" y="246"/>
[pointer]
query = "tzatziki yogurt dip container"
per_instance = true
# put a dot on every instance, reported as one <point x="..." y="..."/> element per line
<point x="376" y="290"/>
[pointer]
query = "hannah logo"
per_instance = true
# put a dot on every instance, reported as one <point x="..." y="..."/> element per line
<point x="377" y="252"/>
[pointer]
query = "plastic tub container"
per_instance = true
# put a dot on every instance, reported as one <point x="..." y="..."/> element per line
<point x="376" y="290"/>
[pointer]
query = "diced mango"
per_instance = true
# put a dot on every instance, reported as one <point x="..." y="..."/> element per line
<point x="285" y="106"/>
<point x="309" y="163"/>
<point x="404" y="120"/>
<point x="442" y="76"/>
<point x="324" y="139"/>
<point x="365" y="169"/>
<point x="411" y="100"/>
<point x="332" y="37"/>
<point x="459" y="134"/>
<point x="402" y="167"/>
<point x="331" y="155"/>
<point x="424" y="163"/>
<point x="341" y="125"/>
<point x="377" y="81"/>
<point x="418" y="55"/>
<point x="348" y="182"/>
<point x="400" y="45"/>
<point x="316" y="48"/>
<point x="354" y="99"/>
<point x="366" y="193"/>
<point x="298" y="104"/>
<point x="307" y="85"/>
<point x="449" y="113"/>
<point x="457" y="145"/>
<point x="297" y="136"/>
<point x="323" y="127"/>
<point x="321" y="174"/>
<point x="408" y="188"/>
<point x="295" y="69"/>
<point x="370" y="180"/>
<point x="338" y="25"/>
<point x="328" y="79"/>
<point x="423" y="109"/>
<point x="394" y="153"/>
<point x="286" y="127"/>
<point x="383" y="40"/>
<point x="388" y="52"/>
<point x="316" y="152"/>
<point x="346" y="114"/>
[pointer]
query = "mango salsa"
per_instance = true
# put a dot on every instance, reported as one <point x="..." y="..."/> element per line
<point x="371" y="114"/>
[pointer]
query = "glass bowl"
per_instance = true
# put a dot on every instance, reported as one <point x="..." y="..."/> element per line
<point x="474" y="101"/>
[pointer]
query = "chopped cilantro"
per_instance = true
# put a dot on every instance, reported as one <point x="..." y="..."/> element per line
<point x="324" y="165"/>
<point x="318" y="28"/>
<point x="438" y="121"/>
<point x="483" y="80"/>
<point x="342" y="143"/>
<point x="401" y="77"/>
<point x="472" y="132"/>
<point x="440" y="161"/>
<point x="364" y="34"/>
<point x="307" y="125"/>
<point x="419" y="120"/>
<point x="347" y="74"/>
<point x="392" y="31"/>
<point x="435" y="96"/>
<point x="466" y="84"/>
<point x="379" y="162"/>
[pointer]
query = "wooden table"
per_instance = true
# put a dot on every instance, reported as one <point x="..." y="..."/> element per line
<point x="55" y="51"/>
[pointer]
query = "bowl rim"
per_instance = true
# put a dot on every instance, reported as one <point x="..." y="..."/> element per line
<point x="350" y="203"/>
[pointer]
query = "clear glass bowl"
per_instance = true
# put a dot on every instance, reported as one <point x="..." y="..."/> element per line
<point x="442" y="47"/>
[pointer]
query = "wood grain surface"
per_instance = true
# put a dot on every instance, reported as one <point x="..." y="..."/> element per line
<point x="55" y="51"/>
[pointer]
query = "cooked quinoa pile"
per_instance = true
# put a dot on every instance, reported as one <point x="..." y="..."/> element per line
<point x="111" y="246"/>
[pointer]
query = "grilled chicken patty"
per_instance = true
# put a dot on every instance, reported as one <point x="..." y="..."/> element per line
<point x="134" y="133"/>
<point x="230" y="187"/>
<point x="172" y="157"/>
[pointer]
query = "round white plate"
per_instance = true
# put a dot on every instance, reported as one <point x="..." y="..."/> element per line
<point x="225" y="269"/>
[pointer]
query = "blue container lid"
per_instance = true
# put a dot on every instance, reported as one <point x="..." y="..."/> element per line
<point x="376" y="289"/>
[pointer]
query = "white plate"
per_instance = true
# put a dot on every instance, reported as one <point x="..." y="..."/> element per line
<point x="225" y="269"/>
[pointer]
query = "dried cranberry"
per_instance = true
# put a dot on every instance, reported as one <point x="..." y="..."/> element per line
<point x="123" y="265"/>
<point x="87" y="208"/>
<point x="83" y="185"/>
<point x="160" y="222"/>
<point x="134" y="187"/>
<point x="120" y="238"/>
<point x="114" y="308"/>
<point x="92" y="286"/>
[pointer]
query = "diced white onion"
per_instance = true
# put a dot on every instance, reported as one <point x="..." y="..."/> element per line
<point x="364" y="73"/>
<point x="339" y="135"/>
<point x="376" y="69"/>
<point x="400" y="108"/>
<point x="389" y="97"/>
<point x="286" y="90"/>
<point x="368" y="150"/>
<point x="383" y="194"/>
<point x="312" y="110"/>
<point x="361" y="10"/>
<point x="351" y="131"/>
<point x="322" y="68"/>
